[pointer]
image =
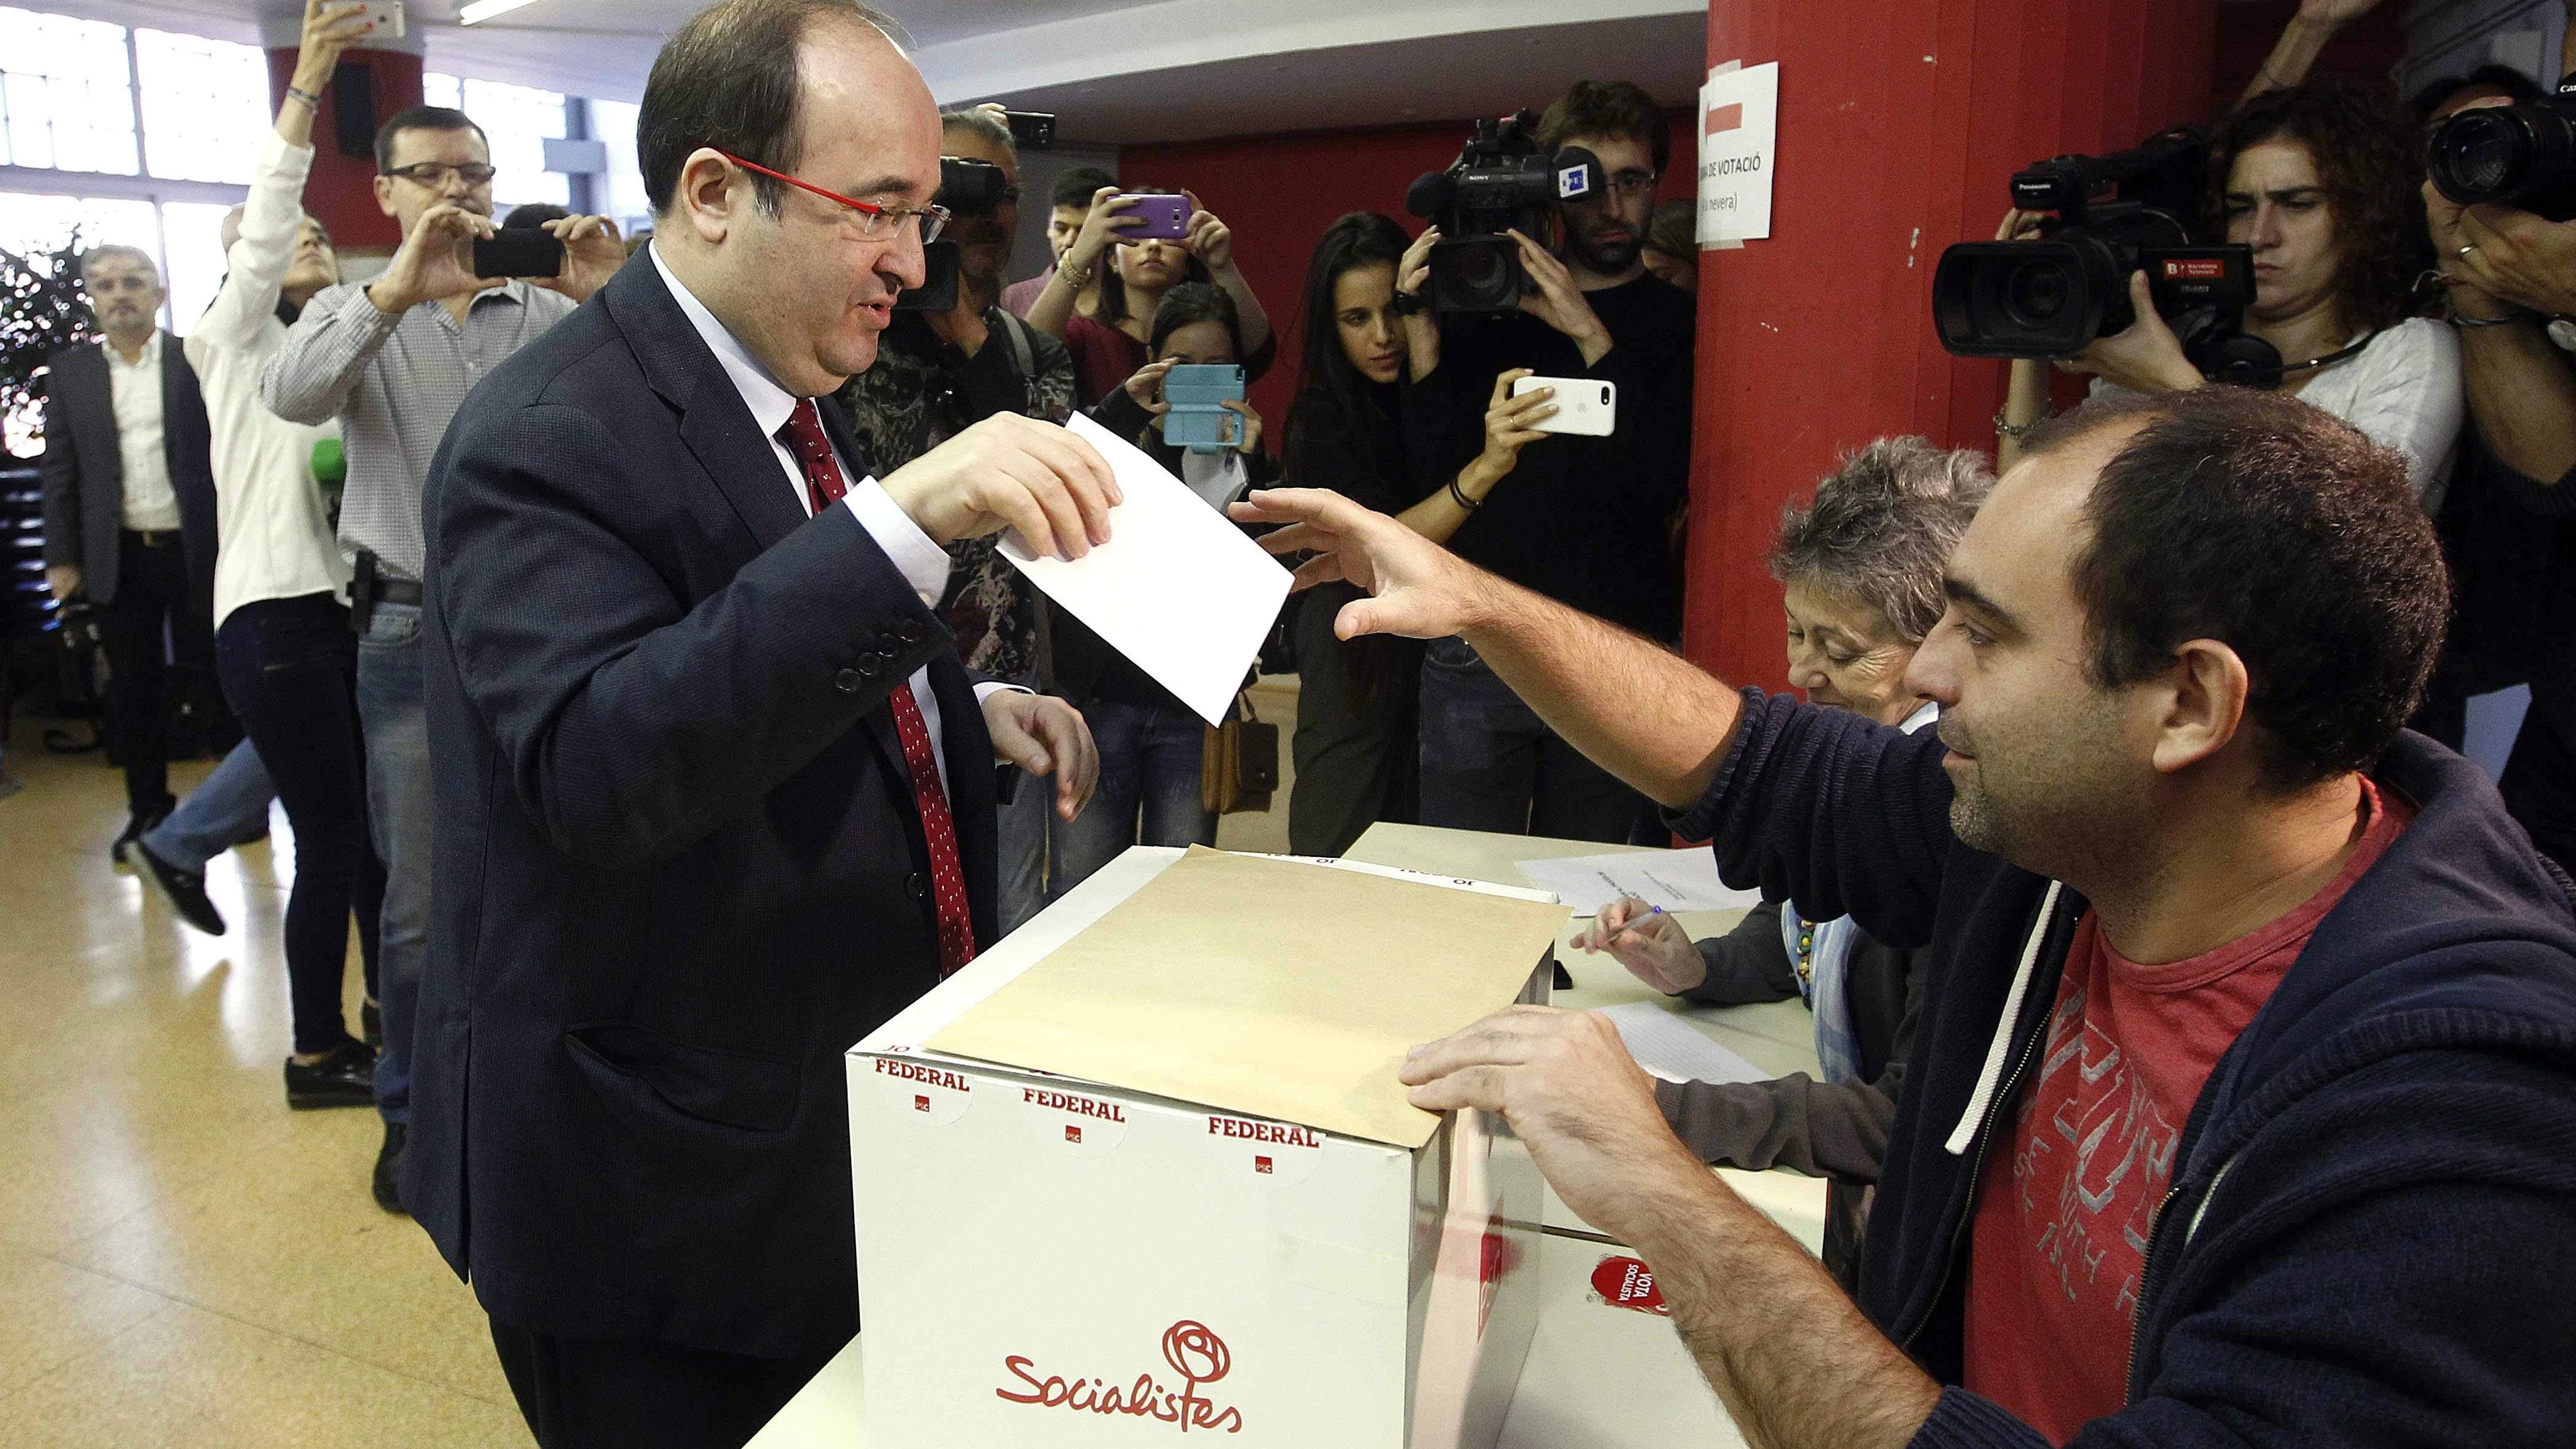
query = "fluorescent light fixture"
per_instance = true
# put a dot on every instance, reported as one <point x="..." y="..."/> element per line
<point x="482" y="10"/>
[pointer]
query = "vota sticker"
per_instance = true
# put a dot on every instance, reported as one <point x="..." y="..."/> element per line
<point x="1625" y="1282"/>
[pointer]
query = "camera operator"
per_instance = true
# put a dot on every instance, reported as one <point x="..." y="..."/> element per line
<point x="1585" y="521"/>
<point x="2320" y="181"/>
<point x="2514" y="534"/>
<point x="1108" y="338"/>
<point x="1069" y="202"/>
<point x="937" y="374"/>
<point x="392" y="360"/>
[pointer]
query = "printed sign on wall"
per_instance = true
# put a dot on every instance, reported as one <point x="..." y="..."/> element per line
<point x="1739" y="127"/>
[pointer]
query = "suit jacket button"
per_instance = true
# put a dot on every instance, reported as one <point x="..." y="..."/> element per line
<point x="909" y="632"/>
<point x="847" y="681"/>
<point x="917" y="886"/>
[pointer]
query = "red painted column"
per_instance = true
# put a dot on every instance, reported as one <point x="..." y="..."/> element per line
<point x="1900" y="123"/>
<point x="341" y="191"/>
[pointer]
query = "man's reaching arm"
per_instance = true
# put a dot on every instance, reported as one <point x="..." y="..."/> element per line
<point x="1646" y="715"/>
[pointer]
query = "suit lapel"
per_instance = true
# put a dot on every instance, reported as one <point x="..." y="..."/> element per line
<point x="714" y="424"/>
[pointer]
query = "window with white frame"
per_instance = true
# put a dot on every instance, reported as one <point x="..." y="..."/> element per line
<point x="205" y="106"/>
<point x="518" y="121"/>
<point x="620" y="196"/>
<point x="66" y="94"/>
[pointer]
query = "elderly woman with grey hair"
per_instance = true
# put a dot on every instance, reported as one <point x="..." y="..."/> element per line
<point x="1860" y="569"/>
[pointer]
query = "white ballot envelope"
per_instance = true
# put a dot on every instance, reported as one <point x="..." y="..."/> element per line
<point x="1178" y="588"/>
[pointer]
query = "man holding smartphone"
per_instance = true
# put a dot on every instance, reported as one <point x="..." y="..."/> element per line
<point x="1586" y="520"/>
<point x="392" y="359"/>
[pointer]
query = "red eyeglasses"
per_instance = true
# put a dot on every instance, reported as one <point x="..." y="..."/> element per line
<point x="875" y="222"/>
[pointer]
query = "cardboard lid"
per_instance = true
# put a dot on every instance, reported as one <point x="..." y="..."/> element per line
<point x="1274" y="988"/>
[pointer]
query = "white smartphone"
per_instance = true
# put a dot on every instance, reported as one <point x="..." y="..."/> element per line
<point x="384" y="17"/>
<point x="1584" y="406"/>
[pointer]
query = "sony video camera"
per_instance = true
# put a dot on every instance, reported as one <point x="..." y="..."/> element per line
<point x="2522" y="156"/>
<point x="966" y="188"/>
<point x="1498" y="184"/>
<point x="2051" y="296"/>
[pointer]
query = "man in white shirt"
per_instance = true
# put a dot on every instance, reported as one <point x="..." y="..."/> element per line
<point x="129" y="513"/>
<point x="714" y="795"/>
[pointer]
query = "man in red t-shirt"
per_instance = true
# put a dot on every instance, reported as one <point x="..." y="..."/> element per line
<point x="2063" y="1218"/>
<point x="2243" y="1107"/>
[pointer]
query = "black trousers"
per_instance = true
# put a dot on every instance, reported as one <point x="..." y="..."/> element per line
<point x="290" y="668"/>
<point x="139" y="628"/>
<point x="578" y="1393"/>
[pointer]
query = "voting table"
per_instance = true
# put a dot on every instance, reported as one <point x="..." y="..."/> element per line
<point x="1597" y="1376"/>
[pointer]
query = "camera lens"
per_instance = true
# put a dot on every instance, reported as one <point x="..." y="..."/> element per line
<point x="2479" y="155"/>
<point x="2035" y="294"/>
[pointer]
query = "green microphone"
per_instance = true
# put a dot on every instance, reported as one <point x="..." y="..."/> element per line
<point x="330" y="464"/>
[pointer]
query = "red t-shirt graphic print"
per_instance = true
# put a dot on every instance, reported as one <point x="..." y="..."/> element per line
<point x="2072" y="1183"/>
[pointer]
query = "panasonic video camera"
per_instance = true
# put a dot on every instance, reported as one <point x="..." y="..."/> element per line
<point x="1499" y="183"/>
<point x="2052" y="295"/>
<point x="2522" y="156"/>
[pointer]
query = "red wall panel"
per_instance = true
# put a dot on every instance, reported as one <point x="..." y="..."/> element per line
<point x="341" y="190"/>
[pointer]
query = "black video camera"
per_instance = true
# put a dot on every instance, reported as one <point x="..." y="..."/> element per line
<point x="2053" y="295"/>
<point x="1498" y="184"/>
<point x="2522" y="156"/>
<point x="966" y="188"/>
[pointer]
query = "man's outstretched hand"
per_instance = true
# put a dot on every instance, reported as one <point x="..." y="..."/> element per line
<point x="1418" y="589"/>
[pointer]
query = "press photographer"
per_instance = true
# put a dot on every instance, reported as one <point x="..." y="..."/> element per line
<point x="2500" y="192"/>
<point x="1585" y="520"/>
<point x="2317" y="182"/>
<point x="939" y="371"/>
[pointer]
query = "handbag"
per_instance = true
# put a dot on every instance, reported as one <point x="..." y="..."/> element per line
<point x="1239" y="765"/>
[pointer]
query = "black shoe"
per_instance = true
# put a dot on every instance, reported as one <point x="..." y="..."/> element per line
<point x="345" y="1078"/>
<point x="138" y="825"/>
<point x="185" y="890"/>
<point x="389" y="1168"/>
<point x="371" y="1024"/>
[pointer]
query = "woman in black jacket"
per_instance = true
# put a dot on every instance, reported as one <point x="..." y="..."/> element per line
<point x="1860" y="570"/>
<point x="1151" y="744"/>
<point x="1354" y="745"/>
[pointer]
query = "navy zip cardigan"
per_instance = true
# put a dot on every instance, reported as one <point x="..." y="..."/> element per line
<point x="2371" y="1233"/>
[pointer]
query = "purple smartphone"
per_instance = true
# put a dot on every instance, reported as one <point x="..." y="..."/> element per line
<point x="1167" y="218"/>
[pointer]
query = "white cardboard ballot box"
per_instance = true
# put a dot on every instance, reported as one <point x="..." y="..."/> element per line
<point x="1047" y="1260"/>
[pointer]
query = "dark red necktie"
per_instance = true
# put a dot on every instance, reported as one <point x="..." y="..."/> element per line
<point x="824" y="486"/>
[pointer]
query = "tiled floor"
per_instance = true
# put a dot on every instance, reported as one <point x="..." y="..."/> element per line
<point x="183" y="1261"/>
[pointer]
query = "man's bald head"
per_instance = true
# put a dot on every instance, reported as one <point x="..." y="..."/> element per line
<point x="730" y="79"/>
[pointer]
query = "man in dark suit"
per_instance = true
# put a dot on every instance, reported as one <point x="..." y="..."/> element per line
<point x="714" y="794"/>
<point x="130" y="513"/>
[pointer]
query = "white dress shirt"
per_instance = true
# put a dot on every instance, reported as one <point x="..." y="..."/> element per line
<point x="270" y="518"/>
<point x="922" y="562"/>
<point x="134" y="388"/>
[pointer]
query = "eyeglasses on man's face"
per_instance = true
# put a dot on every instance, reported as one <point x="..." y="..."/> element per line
<point x="434" y="174"/>
<point x="871" y="220"/>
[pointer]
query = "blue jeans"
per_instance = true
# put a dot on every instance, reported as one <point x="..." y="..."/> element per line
<point x="1148" y="795"/>
<point x="1021" y="843"/>
<point x="391" y="717"/>
<point x="1490" y="763"/>
<point x="229" y="808"/>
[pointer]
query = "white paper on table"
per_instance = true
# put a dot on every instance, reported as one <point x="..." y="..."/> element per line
<point x="1677" y="880"/>
<point x="1178" y="589"/>
<point x="1667" y="1047"/>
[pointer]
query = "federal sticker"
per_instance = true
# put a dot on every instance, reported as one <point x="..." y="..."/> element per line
<point x="1074" y="1122"/>
<point x="924" y="1092"/>
<point x="1249" y="1147"/>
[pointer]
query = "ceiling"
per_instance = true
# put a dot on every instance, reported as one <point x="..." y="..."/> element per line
<point x="1114" y="71"/>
